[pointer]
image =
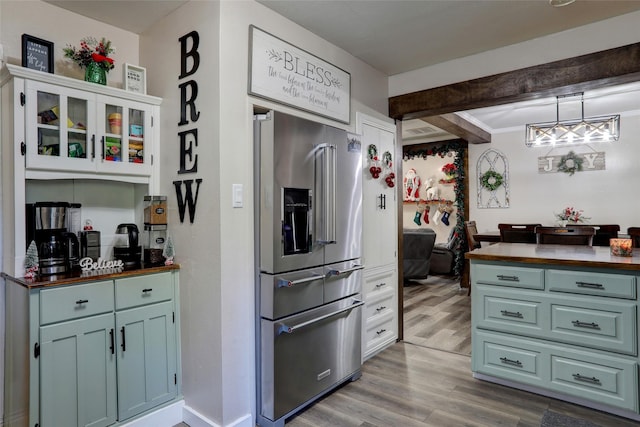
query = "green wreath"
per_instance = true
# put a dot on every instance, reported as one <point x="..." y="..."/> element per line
<point x="570" y="163"/>
<point x="491" y="180"/>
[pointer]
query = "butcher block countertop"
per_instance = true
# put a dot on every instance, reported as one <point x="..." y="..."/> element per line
<point x="84" y="277"/>
<point x="567" y="255"/>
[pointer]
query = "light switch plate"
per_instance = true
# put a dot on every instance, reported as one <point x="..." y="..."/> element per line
<point x="237" y="195"/>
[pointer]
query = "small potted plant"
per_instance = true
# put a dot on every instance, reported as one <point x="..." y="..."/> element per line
<point x="449" y="171"/>
<point x="93" y="55"/>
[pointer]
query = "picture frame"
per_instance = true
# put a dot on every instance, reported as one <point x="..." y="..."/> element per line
<point x="37" y="53"/>
<point x="135" y="78"/>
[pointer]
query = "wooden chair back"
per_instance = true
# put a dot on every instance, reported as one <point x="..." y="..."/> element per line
<point x="604" y="232"/>
<point x="634" y="233"/>
<point x="470" y="229"/>
<point x="565" y="235"/>
<point x="518" y="233"/>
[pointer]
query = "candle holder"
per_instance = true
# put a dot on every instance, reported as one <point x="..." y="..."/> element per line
<point x="621" y="247"/>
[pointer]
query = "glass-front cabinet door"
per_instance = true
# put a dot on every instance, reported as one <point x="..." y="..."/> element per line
<point x="59" y="128"/>
<point x="124" y="128"/>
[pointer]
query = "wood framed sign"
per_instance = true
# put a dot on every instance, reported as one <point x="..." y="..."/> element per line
<point x="37" y="54"/>
<point x="284" y="73"/>
<point x="135" y="78"/>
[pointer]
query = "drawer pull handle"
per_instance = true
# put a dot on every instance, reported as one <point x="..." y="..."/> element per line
<point x="82" y="301"/>
<point x="589" y="285"/>
<point x="379" y="309"/>
<point x="511" y="362"/>
<point x="113" y="343"/>
<point x="590" y="380"/>
<point x="379" y="285"/>
<point x="147" y="290"/>
<point x="512" y="314"/>
<point x="381" y="331"/>
<point x="508" y="278"/>
<point x="283" y="283"/>
<point x="579" y="324"/>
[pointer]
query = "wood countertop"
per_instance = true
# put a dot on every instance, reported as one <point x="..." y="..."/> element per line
<point x="568" y="255"/>
<point x="84" y="277"/>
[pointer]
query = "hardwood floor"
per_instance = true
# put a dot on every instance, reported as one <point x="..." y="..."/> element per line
<point x="437" y="314"/>
<point x="408" y="385"/>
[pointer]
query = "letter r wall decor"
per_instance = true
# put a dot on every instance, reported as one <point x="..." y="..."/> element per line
<point x="281" y="72"/>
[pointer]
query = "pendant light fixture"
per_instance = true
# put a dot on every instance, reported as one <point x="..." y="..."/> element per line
<point x="576" y="131"/>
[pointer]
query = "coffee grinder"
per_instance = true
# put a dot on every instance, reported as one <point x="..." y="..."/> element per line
<point x="126" y="248"/>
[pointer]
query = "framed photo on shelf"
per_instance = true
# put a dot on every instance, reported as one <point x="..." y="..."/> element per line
<point x="37" y="54"/>
<point x="135" y="78"/>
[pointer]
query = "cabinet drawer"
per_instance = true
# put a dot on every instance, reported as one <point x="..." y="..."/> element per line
<point x="75" y="301"/>
<point x="379" y="282"/>
<point x="142" y="290"/>
<point x="507" y="358"/>
<point x="379" y="304"/>
<point x="380" y="330"/>
<point x="510" y="310"/>
<point x="518" y="277"/>
<point x="602" y="284"/>
<point x="606" y="326"/>
<point x="602" y="379"/>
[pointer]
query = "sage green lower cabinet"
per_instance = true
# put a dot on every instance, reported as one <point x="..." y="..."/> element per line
<point x="91" y="354"/>
<point x="146" y="358"/>
<point x="565" y="331"/>
<point x="78" y="373"/>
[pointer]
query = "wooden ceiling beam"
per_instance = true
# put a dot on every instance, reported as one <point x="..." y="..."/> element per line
<point x="460" y="127"/>
<point x="579" y="74"/>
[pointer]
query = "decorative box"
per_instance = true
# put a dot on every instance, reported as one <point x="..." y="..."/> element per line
<point x="155" y="211"/>
<point x="621" y="247"/>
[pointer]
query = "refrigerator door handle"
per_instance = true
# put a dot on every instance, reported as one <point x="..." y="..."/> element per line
<point x="356" y="267"/>
<point x="281" y="328"/>
<point x="328" y="195"/>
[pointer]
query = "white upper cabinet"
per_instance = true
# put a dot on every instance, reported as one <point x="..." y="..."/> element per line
<point x="85" y="130"/>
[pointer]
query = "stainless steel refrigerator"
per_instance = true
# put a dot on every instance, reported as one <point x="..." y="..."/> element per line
<point x="309" y="274"/>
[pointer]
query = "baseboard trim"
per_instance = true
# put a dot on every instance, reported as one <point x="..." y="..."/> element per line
<point x="196" y="419"/>
<point x="168" y="416"/>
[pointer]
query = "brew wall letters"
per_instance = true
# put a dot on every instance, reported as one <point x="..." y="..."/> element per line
<point x="188" y="138"/>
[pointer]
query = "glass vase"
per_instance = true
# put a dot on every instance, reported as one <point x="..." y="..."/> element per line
<point x="95" y="74"/>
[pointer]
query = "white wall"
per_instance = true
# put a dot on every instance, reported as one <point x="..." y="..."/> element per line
<point x="216" y="252"/>
<point x="429" y="168"/>
<point x="602" y="35"/>
<point x="607" y="196"/>
<point x="63" y="28"/>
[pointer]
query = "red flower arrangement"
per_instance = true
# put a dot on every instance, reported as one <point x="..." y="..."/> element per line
<point x="449" y="169"/>
<point x="91" y="50"/>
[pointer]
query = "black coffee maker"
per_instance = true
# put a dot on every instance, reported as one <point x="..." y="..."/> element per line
<point x="126" y="248"/>
<point x="58" y="249"/>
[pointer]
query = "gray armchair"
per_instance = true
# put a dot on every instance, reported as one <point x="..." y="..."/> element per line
<point x="443" y="256"/>
<point x="417" y="247"/>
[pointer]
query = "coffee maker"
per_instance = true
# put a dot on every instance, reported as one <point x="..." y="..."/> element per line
<point x="126" y="247"/>
<point x="58" y="249"/>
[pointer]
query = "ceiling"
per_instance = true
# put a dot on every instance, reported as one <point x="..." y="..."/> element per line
<point x="395" y="36"/>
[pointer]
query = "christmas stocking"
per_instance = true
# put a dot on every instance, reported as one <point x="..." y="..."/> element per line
<point x="436" y="217"/>
<point x="416" y="218"/>
<point x="426" y="215"/>
<point x="445" y="218"/>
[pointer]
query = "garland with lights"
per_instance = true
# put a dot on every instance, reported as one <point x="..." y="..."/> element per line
<point x="491" y="180"/>
<point x="458" y="161"/>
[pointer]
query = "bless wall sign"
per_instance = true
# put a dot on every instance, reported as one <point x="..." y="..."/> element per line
<point x="284" y="73"/>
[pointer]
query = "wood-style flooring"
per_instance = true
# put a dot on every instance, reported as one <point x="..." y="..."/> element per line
<point x="437" y="314"/>
<point x="426" y="381"/>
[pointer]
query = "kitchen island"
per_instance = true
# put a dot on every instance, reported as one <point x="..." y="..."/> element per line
<point x="95" y="348"/>
<point x="558" y="320"/>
